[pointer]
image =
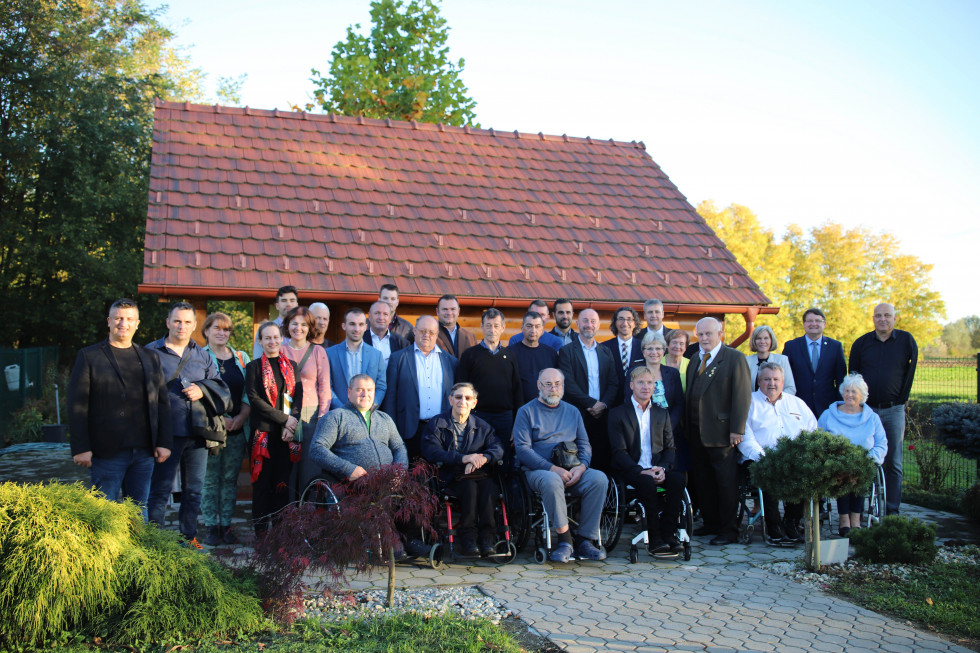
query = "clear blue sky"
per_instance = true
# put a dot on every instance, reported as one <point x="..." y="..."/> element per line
<point x="862" y="113"/>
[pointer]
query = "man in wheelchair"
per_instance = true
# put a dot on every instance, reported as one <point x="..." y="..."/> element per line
<point x="466" y="447"/>
<point x="553" y="449"/>
<point x="773" y="415"/>
<point x="642" y="447"/>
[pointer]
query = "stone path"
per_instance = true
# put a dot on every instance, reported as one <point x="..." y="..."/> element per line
<point x="722" y="600"/>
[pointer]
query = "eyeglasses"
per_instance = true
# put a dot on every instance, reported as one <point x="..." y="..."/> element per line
<point x="464" y="397"/>
<point x="556" y="384"/>
<point x="625" y="319"/>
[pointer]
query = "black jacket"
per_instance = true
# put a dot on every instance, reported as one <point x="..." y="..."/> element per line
<point x="439" y="443"/>
<point x="265" y="416"/>
<point x="207" y="413"/>
<point x="624" y="438"/>
<point x="96" y="395"/>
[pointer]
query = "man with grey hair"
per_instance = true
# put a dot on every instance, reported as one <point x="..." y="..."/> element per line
<point x="718" y="397"/>
<point x="321" y="316"/>
<point x="379" y="335"/>
<point x="653" y="313"/>
<point x="540" y="427"/>
<point x="886" y="358"/>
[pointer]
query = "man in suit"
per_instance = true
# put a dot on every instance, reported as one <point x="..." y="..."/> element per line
<point x="719" y="393"/>
<point x="352" y="357"/>
<point x="625" y="347"/>
<point x="389" y="295"/>
<point x="591" y="383"/>
<point x="643" y="452"/>
<point x="378" y="335"/>
<point x="817" y="363"/>
<point x="453" y="339"/>
<point x="653" y="312"/>
<point x="420" y="378"/>
<point x="119" y="410"/>
<point x="548" y="339"/>
<point x="564" y="316"/>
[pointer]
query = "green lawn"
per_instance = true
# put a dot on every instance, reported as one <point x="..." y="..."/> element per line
<point x="940" y="384"/>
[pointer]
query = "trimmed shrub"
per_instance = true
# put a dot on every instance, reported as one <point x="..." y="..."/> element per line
<point x="958" y="427"/>
<point x="971" y="502"/>
<point x="72" y="561"/>
<point x="896" y="539"/>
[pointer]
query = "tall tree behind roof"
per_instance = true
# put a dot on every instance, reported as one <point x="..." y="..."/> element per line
<point x="402" y="70"/>
<point x="77" y="82"/>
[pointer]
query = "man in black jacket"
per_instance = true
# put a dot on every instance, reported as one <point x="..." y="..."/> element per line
<point x="119" y="410"/>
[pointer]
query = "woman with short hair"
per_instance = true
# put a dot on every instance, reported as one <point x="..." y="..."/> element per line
<point x="763" y="343"/>
<point x="677" y="342"/>
<point x="855" y="420"/>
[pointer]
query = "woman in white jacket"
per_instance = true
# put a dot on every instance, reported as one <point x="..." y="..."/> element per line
<point x="763" y="343"/>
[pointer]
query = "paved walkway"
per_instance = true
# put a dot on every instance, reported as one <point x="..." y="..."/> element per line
<point x="722" y="600"/>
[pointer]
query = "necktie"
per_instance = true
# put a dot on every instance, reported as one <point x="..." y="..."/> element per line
<point x="704" y="362"/>
<point x="624" y="357"/>
<point x="815" y="354"/>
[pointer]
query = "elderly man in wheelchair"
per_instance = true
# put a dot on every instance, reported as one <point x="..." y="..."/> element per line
<point x="774" y="414"/>
<point x="553" y="449"/>
<point x="642" y="447"/>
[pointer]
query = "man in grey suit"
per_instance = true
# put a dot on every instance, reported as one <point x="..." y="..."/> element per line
<point x="719" y="393"/>
<point x="653" y="312"/>
<point x="419" y="379"/>
<point x="352" y="357"/>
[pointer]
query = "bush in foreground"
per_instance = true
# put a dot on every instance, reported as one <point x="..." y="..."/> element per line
<point x="72" y="561"/>
<point x="896" y="539"/>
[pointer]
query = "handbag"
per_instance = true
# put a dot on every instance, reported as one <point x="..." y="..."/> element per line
<point x="565" y="455"/>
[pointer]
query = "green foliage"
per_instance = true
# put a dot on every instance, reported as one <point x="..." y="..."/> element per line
<point x="897" y="539"/>
<point x="77" y="82"/>
<point x="241" y="321"/>
<point x="970" y="503"/>
<point x="815" y="464"/>
<point x="946" y="499"/>
<point x="961" y="338"/>
<point x="958" y="428"/>
<point x="844" y="271"/>
<point x="72" y="561"/>
<point x="26" y="422"/>
<point x="402" y="70"/>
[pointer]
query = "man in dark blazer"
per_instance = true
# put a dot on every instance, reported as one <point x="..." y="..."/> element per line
<point x="719" y="393"/>
<point x="625" y="346"/>
<point x="410" y="403"/>
<point x="817" y="385"/>
<point x="643" y="452"/>
<point x="119" y="410"/>
<point x="591" y="383"/>
<point x="378" y="335"/>
<point x="453" y="339"/>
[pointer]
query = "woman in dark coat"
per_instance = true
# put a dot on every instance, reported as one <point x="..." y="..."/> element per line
<point x="276" y="396"/>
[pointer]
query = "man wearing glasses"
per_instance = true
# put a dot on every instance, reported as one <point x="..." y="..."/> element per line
<point x="817" y="363"/>
<point x="625" y="347"/>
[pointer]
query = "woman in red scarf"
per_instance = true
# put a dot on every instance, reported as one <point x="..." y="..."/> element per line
<point x="276" y="397"/>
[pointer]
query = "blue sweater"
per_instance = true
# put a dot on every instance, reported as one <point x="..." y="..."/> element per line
<point x="538" y="428"/>
<point x="863" y="429"/>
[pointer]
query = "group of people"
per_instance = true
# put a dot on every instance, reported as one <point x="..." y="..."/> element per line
<point x="644" y="406"/>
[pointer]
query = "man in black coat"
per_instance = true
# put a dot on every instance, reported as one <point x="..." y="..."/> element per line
<point x="643" y="452"/>
<point x="119" y="410"/>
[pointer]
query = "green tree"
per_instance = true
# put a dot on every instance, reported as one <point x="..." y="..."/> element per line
<point x="77" y="82"/>
<point x="402" y="70"/>
<point x="844" y="271"/>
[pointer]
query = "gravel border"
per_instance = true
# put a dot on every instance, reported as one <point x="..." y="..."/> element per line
<point x="465" y="601"/>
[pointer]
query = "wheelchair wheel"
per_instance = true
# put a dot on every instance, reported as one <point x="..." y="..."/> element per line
<point x="687" y="551"/>
<point x="611" y="521"/>
<point x="519" y="509"/>
<point x="745" y="533"/>
<point x="634" y="554"/>
<point x="540" y="555"/>
<point x="435" y="556"/>
<point x="505" y="552"/>
<point x="876" y="501"/>
<point x="319" y="494"/>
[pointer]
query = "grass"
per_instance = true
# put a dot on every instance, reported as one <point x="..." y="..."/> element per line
<point x="947" y="500"/>
<point x="943" y="597"/>
<point x="942" y="384"/>
<point x="404" y="633"/>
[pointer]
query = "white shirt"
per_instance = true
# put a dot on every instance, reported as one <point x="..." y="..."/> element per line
<point x="768" y="422"/>
<point x="429" y="370"/>
<point x="382" y="344"/>
<point x="643" y="418"/>
<point x="592" y="367"/>
<point x="711" y="356"/>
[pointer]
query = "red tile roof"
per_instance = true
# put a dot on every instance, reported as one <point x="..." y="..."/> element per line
<point x="246" y="200"/>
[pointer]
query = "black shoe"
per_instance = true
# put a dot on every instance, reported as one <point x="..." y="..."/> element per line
<point x="660" y="549"/>
<point x="722" y="540"/>
<point x="792" y="533"/>
<point x="843" y="531"/>
<point x="467" y="547"/>
<point x="417" y="549"/>
<point x="229" y="537"/>
<point x="213" y="538"/>
<point x="775" y="535"/>
<point x="701" y="531"/>
<point x="488" y="546"/>
<point x="674" y="543"/>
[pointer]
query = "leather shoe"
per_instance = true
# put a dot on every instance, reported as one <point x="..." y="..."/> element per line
<point x="792" y="533"/>
<point x="721" y="540"/>
<point x="701" y="531"/>
<point x="468" y="548"/>
<point x="487" y="546"/>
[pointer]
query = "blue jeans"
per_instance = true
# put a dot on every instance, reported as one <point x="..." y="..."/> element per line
<point x="893" y="419"/>
<point x="128" y="470"/>
<point x="190" y="455"/>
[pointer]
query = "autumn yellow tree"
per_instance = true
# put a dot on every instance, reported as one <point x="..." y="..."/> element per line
<point x="844" y="271"/>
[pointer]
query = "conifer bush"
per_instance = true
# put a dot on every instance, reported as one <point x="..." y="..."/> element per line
<point x="70" y="560"/>
<point x="897" y="539"/>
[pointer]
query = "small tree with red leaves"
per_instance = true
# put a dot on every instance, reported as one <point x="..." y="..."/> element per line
<point x="345" y="539"/>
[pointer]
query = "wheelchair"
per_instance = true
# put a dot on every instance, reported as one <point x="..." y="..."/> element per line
<point x="535" y="519"/>
<point x="876" y="496"/>
<point x="752" y="518"/>
<point x="443" y="549"/>
<point x="635" y="512"/>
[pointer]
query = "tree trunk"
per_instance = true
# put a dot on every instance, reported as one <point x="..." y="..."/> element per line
<point x="811" y="528"/>
<point x="391" y="576"/>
